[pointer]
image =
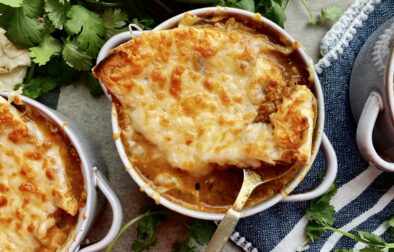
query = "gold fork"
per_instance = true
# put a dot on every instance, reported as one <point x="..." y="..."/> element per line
<point x="250" y="182"/>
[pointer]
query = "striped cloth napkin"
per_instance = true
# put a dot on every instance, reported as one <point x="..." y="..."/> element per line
<point x="364" y="200"/>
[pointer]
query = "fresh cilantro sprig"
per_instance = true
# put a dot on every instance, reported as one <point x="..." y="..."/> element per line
<point x="148" y="219"/>
<point x="321" y="216"/>
<point x="201" y="231"/>
<point x="146" y="237"/>
<point x="67" y="33"/>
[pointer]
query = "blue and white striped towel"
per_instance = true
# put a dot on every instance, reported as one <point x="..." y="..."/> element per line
<point x="365" y="196"/>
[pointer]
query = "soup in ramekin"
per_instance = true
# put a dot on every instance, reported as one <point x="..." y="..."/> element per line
<point x="215" y="94"/>
<point x="42" y="188"/>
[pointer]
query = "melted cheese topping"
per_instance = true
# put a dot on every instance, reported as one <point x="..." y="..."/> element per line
<point x="195" y="94"/>
<point x="33" y="183"/>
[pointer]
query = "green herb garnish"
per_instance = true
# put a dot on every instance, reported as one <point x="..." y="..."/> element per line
<point x="321" y="216"/>
<point x="201" y="231"/>
<point x="146" y="237"/>
<point x="148" y="219"/>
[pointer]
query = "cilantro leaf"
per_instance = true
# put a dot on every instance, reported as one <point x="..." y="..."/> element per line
<point x="46" y="78"/>
<point x="372" y="239"/>
<point x="314" y="230"/>
<point x="246" y="5"/>
<point x="20" y="29"/>
<point x="48" y="47"/>
<point x="57" y="12"/>
<point x="58" y="68"/>
<point x="183" y="246"/>
<point x="94" y="85"/>
<point x="12" y="3"/>
<point x="320" y="209"/>
<point x="320" y="213"/>
<point x="115" y="21"/>
<point x="88" y="26"/>
<point x="202" y="231"/>
<point x="330" y="14"/>
<point x="276" y="13"/>
<point x="343" y="250"/>
<point x="146" y="232"/>
<point x="33" y="8"/>
<point x="241" y="4"/>
<point x="39" y="86"/>
<point x="145" y="212"/>
<point x="75" y="57"/>
<point x="391" y="224"/>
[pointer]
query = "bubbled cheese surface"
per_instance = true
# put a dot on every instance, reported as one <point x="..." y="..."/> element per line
<point x="194" y="92"/>
<point x="33" y="183"/>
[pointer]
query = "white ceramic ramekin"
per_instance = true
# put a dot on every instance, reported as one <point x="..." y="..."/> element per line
<point x="372" y="103"/>
<point x="319" y="137"/>
<point x="93" y="179"/>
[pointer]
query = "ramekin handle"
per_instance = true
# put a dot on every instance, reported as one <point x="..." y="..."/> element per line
<point x="117" y="213"/>
<point x="371" y="110"/>
<point x="331" y="166"/>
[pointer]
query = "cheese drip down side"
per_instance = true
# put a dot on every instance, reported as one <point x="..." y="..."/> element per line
<point x="195" y="92"/>
<point x="33" y="184"/>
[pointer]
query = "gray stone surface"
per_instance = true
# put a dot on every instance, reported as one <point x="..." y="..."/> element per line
<point x="93" y="115"/>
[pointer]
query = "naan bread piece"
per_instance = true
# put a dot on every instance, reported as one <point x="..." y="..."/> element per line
<point x="195" y="92"/>
<point x="33" y="182"/>
<point x="14" y="62"/>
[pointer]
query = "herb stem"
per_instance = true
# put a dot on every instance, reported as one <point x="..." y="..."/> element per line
<point x="102" y="3"/>
<point x="164" y="6"/>
<point x="308" y="8"/>
<point x="287" y="4"/>
<point x="387" y="245"/>
<point x="128" y="224"/>
<point x="197" y="1"/>
<point x="346" y="234"/>
<point x="31" y="72"/>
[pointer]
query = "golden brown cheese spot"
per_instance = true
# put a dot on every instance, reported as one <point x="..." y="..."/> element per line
<point x="30" y="228"/>
<point x="160" y="95"/>
<point x="27" y="187"/>
<point x="296" y="44"/>
<point x="207" y="46"/>
<point x="208" y="85"/>
<point x="164" y="122"/>
<point x="18" y="215"/>
<point x="3" y="201"/>
<point x="158" y="77"/>
<point x="26" y="171"/>
<point x="189" y="137"/>
<point x="224" y="97"/>
<point x="17" y="135"/>
<point x="194" y="104"/>
<point x="50" y="174"/>
<point x="35" y="155"/>
<point x="200" y="132"/>
<point x="3" y="188"/>
<point x="176" y="79"/>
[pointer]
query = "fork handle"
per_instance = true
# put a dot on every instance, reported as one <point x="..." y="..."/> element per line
<point x="224" y="230"/>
